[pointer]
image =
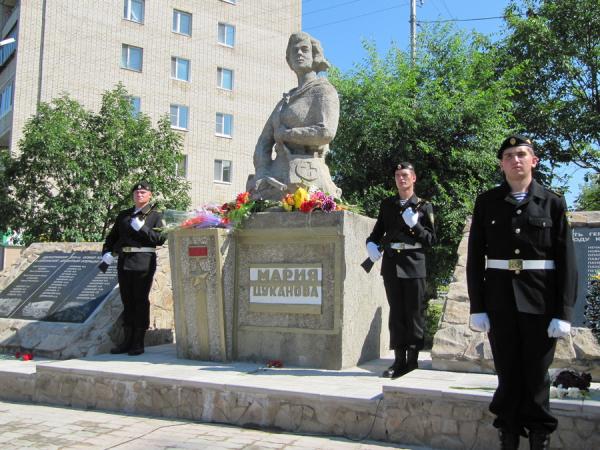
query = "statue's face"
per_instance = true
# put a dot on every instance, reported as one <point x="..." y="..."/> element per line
<point x="301" y="58"/>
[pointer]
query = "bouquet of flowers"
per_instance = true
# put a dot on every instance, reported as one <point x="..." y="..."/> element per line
<point x="228" y="215"/>
<point x="310" y="200"/>
<point x="568" y="383"/>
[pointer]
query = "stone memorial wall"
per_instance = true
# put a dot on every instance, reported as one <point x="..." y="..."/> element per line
<point x="55" y="302"/>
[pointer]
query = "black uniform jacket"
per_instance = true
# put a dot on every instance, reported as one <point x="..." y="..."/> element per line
<point x="536" y="228"/>
<point x="123" y="235"/>
<point x="390" y="227"/>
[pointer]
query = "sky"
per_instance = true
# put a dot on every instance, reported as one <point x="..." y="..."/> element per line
<point x="342" y="26"/>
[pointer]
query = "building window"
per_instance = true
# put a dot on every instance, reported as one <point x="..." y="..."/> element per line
<point x="136" y="106"/>
<point x="233" y="2"/>
<point x="226" y="34"/>
<point x="182" y="22"/>
<point x="224" y="125"/>
<point x="131" y="57"/>
<point x="180" y="69"/>
<point x="179" y="117"/>
<point x="181" y="167"/>
<point x="6" y="51"/>
<point x="134" y="10"/>
<point x="6" y="99"/>
<point x="222" y="171"/>
<point x="225" y="78"/>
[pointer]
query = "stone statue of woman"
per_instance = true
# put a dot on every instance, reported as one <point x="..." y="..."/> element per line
<point x="299" y="130"/>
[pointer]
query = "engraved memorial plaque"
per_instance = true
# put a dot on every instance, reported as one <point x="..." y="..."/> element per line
<point x="58" y="287"/>
<point x="587" y="256"/>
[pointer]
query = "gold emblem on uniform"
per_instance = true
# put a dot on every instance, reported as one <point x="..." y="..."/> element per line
<point x="513" y="141"/>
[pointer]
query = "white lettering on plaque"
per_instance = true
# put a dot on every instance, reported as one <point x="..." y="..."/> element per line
<point x="290" y="285"/>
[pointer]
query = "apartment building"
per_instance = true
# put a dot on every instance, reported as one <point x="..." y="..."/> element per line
<point x="216" y="67"/>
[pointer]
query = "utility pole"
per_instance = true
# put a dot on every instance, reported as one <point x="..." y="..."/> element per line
<point x="413" y="31"/>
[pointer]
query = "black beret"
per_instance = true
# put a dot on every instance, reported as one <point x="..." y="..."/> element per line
<point x="403" y="165"/>
<point x="514" y="140"/>
<point x="141" y="185"/>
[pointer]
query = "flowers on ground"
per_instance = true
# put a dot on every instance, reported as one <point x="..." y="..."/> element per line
<point x="568" y="383"/>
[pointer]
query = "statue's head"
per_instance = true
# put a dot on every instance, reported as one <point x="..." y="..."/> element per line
<point x="319" y="63"/>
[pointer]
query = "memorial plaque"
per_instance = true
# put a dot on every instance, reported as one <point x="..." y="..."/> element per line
<point x="587" y="255"/>
<point x="58" y="287"/>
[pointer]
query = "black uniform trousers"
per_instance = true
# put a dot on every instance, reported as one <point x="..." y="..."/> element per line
<point x="135" y="294"/>
<point x="406" y="297"/>
<point x="522" y="354"/>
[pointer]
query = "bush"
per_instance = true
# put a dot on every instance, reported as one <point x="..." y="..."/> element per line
<point x="432" y="321"/>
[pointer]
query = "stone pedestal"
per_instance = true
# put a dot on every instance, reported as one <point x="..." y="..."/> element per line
<point x="197" y="276"/>
<point x="292" y="289"/>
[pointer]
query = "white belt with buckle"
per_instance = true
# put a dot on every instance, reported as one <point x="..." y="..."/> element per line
<point x="404" y="246"/>
<point x="138" y="250"/>
<point x="521" y="264"/>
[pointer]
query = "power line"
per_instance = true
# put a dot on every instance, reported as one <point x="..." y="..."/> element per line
<point x="331" y="7"/>
<point x="356" y="17"/>
<point x="462" y="20"/>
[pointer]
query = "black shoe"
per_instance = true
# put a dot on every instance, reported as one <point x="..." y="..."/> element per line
<point x="125" y="345"/>
<point x="137" y="345"/>
<point x="399" y="367"/>
<point x="508" y="439"/>
<point x="412" y="359"/>
<point x="539" y="440"/>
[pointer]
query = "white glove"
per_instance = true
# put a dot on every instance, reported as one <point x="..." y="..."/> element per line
<point x="108" y="258"/>
<point x="410" y="217"/>
<point x="373" y="251"/>
<point x="137" y="223"/>
<point x="558" y="328"/>
<point x="480" y="322"/>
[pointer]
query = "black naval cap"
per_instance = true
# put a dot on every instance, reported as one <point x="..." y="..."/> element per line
<point x="141" y="185"/>
<point x="403" y="165"/>
<point x="514" y="140"/>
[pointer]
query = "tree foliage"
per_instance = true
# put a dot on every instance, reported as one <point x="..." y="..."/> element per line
<point x="555" y="44"/>
<point x="447" y="114"/>
<point x="75" y="168"/>
<point x="589" y="199"/>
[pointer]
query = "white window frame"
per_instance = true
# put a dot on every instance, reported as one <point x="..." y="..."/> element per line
<point x="128" y="10"/>
<point x="218" y="165"/>
<point x="225" y="27"/>
<point x="176" y="27"/>
<point x="220" y="123"/>
<point x="179" y="108"/>
<point x="136" y="104"/>
<point x="175" y="75"/>
<point x="126" y="60"/>
<point x="220" y="78"/>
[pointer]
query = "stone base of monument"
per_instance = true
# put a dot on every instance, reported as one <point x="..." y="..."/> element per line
<point x="55" y="303"/>
<point x="457" y="347"/>
<point x="286" y="287"/>
<point x="426" y="408"/>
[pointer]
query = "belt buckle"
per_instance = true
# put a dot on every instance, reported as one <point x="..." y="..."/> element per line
<point x="400" y="246"/>
<point x="515" y="264"/>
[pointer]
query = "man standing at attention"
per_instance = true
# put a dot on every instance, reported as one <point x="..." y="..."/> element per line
<point x="403" y="229"/>
<point x="133" y="237"/>
<point x="523" y="295"/>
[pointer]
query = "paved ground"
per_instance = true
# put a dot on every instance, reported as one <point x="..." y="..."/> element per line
<point x="49" y="427"/>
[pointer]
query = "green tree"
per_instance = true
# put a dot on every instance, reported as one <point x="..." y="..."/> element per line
<point x="447" y="114"/>
<point x="75" y="168"/>
<point x="555" y="44"/>
<point x="589" y="199"/>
